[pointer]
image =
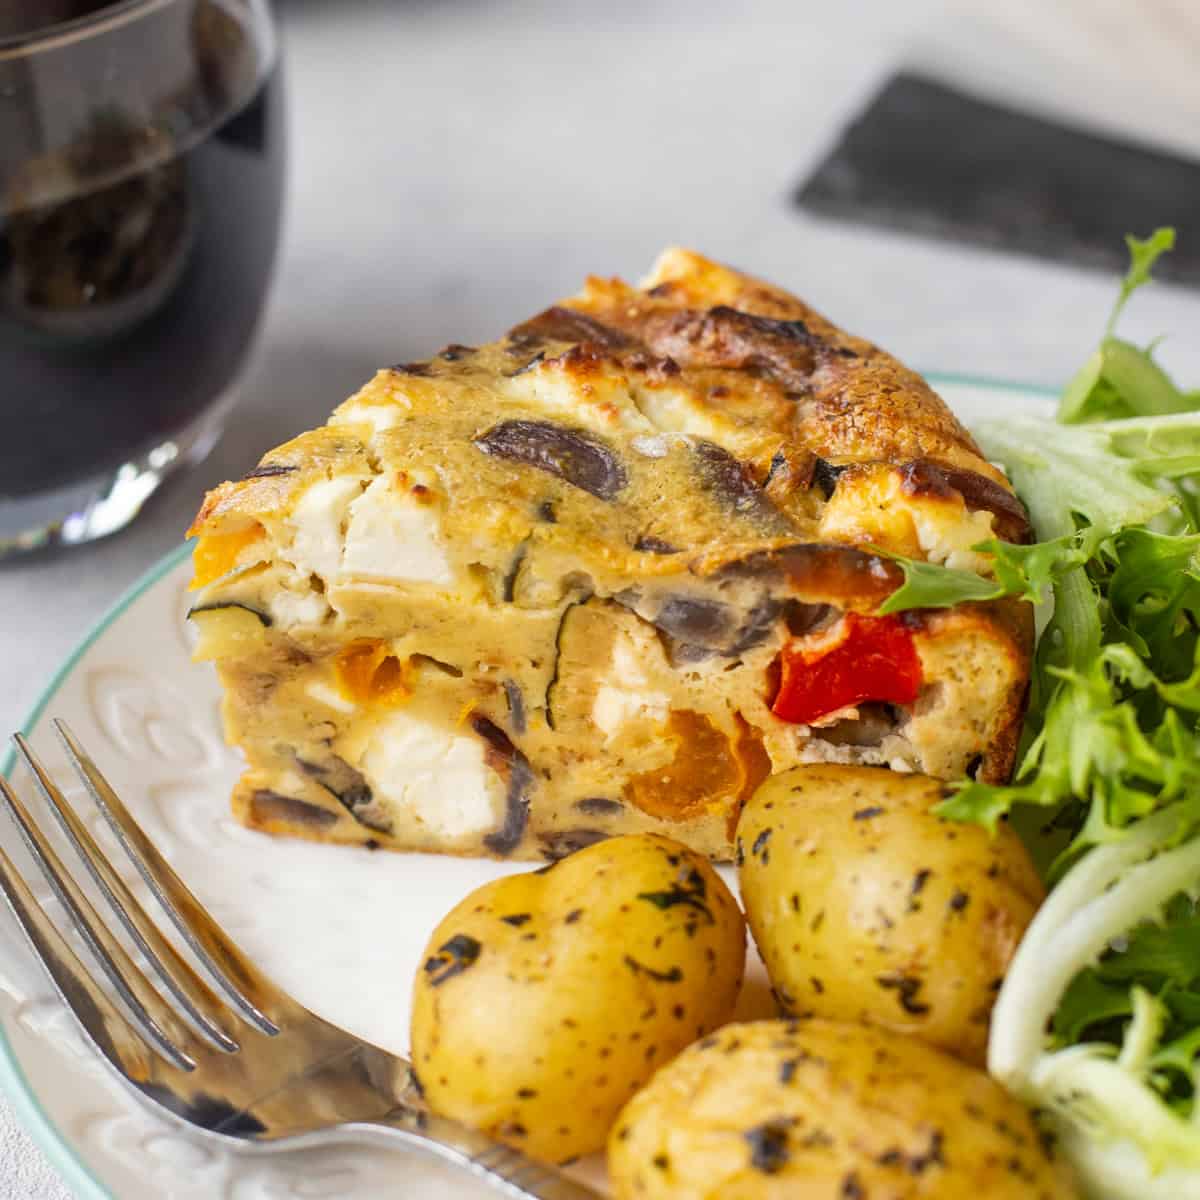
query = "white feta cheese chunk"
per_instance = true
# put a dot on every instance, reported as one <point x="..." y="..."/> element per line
<point x="323" y="693"/>
<point x="432" y="780"/>
<point x="395" y="537"/>
<point x="674" y="410"/>
<point x="946" y="534"/>
<point x="378" y="416"/>
<point x="615" y="706"/>
<point x="316" y="523"/>
<point x="876" y="508"/>
<point x="289" y="608"/>
<point x="650" y="447"/>
<point x="604" y="406"/>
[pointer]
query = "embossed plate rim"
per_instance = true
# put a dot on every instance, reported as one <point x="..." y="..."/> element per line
<point x="21" y="1093"/>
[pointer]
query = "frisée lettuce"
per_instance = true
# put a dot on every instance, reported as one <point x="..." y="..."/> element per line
<point x="1098" y="1021"/>
<point x="1111" y="732"/>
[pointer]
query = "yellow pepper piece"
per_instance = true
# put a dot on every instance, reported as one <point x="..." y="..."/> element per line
<point x="368" y="673"/>
<point x="216" y="554"/>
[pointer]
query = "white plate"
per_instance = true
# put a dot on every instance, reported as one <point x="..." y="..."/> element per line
<point x="341" y="929"/>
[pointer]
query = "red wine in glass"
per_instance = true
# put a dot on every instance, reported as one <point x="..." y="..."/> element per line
<point x="139" y="218"/>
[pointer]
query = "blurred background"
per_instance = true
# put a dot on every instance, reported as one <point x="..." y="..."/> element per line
<point x="455" y="165"/>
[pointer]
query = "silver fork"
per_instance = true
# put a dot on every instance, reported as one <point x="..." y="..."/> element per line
<point x="259" y="1067"/>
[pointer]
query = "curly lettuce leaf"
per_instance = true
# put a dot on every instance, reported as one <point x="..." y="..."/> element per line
<point x="1157" y="962"/>
<point x="1067" y="475"/>
<point x="1115" y="702"/>
<point x="1091" y="1003"/>
<point x="1120" y="379"/>
<point x="1116" y="732"/>
<point x="1167" y="447"/>
<point x="1111" y="963"/>
<point x="1143" y="254"/>
<point x="1080" y="484"/>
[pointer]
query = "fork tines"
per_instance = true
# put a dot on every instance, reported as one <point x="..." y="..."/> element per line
<point x="181" y="1034"/>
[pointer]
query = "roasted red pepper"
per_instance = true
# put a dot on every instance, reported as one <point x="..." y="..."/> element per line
<point x="861" y="658"/>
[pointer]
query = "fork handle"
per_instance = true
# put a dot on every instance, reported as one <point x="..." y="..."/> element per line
<point x="506" y="1170"/>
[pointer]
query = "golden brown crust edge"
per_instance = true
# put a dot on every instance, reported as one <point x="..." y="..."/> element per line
<point x="861" y="402"/>
<point x="1007" y="625"/>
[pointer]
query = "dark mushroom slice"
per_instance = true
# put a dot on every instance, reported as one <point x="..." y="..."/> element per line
<point x="516" y="706"/>
<point x="681" y="655"/>
<point x="730" y="482"/>
<point x="548" y="702"/>
<point x="874" y="722"/>
<point x="561" y="324"/>
<point x="535" y="361"/>
<point x="818" y="572"/>
<point x="756" y="626"/>
<point x="924" y="477"/>
<point x="647" y="544"/>
<point x="217" y="605"/>
<point x="786" y="351"/>
<point x="574" y="456"/>
<point x="599" y="806"/>
<point x="802" y="618"/>
<point x="513" y="767"/>
<point x="267" y="807"/>
<point x="779" y="468"/>
<point x="267" y="470"/>
<point x="679" y="650"/>
<point x="436" y="664"/>
<point x="351" y="789"/>
<point x="825" y="476"/>
<point x="698" y="626"/>
<point x="695" y="620"/>
<point x="508" y="587"/>
<point x="566" y="841"/>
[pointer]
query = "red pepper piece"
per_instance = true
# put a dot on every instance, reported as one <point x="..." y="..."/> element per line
<point x="864" y="658"/>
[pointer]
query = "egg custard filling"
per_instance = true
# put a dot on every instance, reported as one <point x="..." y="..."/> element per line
<point x="606" y="575"/>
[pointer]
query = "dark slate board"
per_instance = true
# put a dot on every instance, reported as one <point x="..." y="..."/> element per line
<point x="927" y="159"/>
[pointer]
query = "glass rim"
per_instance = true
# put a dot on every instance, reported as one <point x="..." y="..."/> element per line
<point x="63" y="33"/>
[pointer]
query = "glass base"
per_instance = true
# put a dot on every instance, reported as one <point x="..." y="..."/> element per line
<point x="96" y="507"/>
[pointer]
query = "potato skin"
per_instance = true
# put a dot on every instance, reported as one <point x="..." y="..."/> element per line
<point x="548" y="998"/>
<point x="867" y="907"/>
<point x="826" y="1110"/>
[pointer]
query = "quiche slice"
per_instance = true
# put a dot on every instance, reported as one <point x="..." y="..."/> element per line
<point x="606" y="575"/>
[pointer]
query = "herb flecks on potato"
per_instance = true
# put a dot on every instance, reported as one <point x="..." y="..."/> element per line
<point x="866" y="906"/>
<point x="546" y="999"/>
<point x="824" y="1110"/>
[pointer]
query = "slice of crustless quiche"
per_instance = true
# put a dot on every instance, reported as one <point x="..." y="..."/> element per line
<point x="606" y="575"/>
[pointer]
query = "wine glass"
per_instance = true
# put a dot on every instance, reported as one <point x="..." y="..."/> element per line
<point x="141" y="171"/>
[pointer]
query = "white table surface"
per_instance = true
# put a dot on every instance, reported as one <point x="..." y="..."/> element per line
<point x="457" y="165"/>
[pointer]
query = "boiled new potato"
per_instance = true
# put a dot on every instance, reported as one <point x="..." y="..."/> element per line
<point x="867" y="907"/>
<point x="546" y="999"/>
<point x="826" y="1110"/>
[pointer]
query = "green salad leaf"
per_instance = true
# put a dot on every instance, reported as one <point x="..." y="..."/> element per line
<point x="1160" y="960"/>
<point x="1111" y="733"/>
<point x="1098" y="1020"/>
<point x="1080" y="485"/>
<point x="1112" y="739"/>
<point x="1120" y="379"/>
